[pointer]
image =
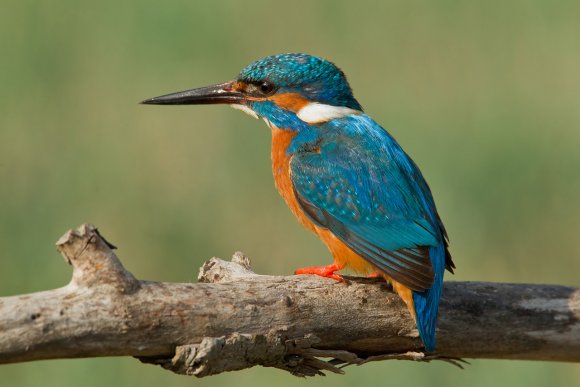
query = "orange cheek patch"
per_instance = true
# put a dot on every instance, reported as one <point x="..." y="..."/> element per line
<point x="289" y="101"/>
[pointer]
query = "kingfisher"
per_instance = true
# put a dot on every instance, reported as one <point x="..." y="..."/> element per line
<point x="343" y="176"/>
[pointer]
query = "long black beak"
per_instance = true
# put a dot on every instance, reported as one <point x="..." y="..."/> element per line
<point x="222" y="93"/>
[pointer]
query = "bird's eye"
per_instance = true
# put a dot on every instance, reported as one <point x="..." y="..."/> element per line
<point x="266" y="87"/>
<point x="259" y="89"/>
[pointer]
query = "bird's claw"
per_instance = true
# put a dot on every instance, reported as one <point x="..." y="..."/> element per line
<point x="323" y="271"/>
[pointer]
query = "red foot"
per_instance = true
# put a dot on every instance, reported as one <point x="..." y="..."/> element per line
<point x="323" y="271"/>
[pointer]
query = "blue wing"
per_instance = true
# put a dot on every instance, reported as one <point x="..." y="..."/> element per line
<point x="356" y="181"/>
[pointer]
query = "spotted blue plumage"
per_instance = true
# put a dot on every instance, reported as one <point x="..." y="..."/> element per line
<point x="352" y="177"/>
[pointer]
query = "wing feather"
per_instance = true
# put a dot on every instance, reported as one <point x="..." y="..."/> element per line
<point x="370" y="194"/>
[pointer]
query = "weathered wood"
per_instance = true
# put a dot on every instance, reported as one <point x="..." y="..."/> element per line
<point x="235" y="319"/>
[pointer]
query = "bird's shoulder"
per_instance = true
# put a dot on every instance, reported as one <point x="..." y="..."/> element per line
<point x="356" y="154"/>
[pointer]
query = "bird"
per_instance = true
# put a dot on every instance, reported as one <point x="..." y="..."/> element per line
<point x="343" y="176"/>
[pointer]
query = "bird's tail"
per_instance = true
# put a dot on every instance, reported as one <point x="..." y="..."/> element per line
<point x="427" y="302"/>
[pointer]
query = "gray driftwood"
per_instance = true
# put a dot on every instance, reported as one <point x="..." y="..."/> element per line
<point x="234" y="319"/>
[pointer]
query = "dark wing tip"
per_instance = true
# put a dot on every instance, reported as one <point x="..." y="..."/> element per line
<point x="449" y="265"/>
<point x="418" y="274"/>
<point x="409" y="266"/>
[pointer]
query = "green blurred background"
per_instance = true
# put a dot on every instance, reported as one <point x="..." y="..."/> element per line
<point x="484" y="95"/>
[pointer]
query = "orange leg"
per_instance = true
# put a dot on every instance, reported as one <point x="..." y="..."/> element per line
<point x="323" y="271"/>
<point x="376" y="274"/>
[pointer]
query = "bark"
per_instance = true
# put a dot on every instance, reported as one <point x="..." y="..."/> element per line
<point x="234" y="319"/>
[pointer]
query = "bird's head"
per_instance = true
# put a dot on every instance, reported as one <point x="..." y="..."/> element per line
<point x="287" y="90"/>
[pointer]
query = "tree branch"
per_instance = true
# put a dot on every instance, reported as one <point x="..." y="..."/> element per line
<point x="235" y="319"/>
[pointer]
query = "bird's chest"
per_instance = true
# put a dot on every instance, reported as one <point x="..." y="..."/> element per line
<point x="281" y="139"/>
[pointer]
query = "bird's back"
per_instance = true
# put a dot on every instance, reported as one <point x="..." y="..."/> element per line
<point x="351" y="178"/>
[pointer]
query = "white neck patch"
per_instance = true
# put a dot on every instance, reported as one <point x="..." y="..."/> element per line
<point x="312" y="113"/>
<point x="318" y="113"/>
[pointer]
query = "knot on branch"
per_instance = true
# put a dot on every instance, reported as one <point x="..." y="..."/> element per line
<point x="93" y="260"/>
<point x="217" y="270"/>
<point x="218" y="354"/>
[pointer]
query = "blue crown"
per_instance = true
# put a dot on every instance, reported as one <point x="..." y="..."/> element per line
<point x="315" y="78"/>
